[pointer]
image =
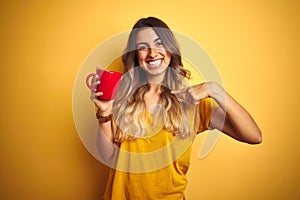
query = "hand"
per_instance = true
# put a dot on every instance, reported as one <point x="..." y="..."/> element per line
<point x="104" y="106"/>
<point x="195" y="93"/>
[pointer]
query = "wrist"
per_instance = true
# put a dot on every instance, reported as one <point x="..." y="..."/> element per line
<point x="103" y="117"/>
<point x="215" y="90"/>
<point x="103" y="112"/>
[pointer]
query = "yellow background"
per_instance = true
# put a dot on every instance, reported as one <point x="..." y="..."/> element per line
<point x="255" y="45"/>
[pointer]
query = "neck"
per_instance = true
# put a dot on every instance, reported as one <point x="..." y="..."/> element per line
<point x="156" y="79"/>
<point x="155" y="88"/>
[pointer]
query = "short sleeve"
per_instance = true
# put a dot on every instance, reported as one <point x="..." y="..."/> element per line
<point x="206" y="108"/>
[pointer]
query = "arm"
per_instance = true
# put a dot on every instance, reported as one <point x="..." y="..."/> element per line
<point x="232" y="119"/>
<point x="105" y="136"/>
<point x="105" y="139"/>
<point x="238" y="122"/>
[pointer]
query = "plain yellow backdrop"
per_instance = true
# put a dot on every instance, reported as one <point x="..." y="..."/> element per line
<point x="254" y="44"/>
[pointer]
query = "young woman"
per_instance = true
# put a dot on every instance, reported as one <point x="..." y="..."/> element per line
<point x="146" y="132"/>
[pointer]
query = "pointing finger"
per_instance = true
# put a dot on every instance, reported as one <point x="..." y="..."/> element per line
<point x="180" y="91"/>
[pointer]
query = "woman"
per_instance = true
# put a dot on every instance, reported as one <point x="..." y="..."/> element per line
<point x="146" y="132"/>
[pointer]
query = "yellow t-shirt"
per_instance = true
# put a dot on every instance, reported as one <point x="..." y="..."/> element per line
<point x="154" y="168"/>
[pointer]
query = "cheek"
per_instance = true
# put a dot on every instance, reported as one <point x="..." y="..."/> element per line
<point x="140" y="57"/>
<point x="168" y="58"/>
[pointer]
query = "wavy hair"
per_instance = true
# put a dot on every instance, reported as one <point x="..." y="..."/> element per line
<point x="129" y="109"/>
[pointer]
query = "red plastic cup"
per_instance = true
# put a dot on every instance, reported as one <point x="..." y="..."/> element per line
<point x="109" y="83"/>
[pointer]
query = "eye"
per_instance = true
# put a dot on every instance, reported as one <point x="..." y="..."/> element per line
<point x="142" y="47"/>
<point x="159" y="45"/>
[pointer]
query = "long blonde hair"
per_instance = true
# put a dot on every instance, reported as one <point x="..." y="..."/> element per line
<point x="129" y="105"/>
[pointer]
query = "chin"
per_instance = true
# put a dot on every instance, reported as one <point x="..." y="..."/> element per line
<point x="159" y="71"/>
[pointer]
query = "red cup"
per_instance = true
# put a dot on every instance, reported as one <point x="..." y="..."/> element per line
<point x="109" y="83"/>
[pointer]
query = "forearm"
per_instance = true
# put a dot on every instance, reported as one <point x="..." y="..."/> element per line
<point x="105" y="140"/>
<point x="238" y="122"/>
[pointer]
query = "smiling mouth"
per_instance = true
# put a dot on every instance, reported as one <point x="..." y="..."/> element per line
<point x="154" y="63"/>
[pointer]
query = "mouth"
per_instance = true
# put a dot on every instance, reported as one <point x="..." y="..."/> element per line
<point x="153" y="64"/>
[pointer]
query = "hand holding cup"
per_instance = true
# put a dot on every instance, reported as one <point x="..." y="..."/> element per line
<point x="103" y="87"/>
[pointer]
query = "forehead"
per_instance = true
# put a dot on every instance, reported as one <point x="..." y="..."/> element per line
<point x="147" y="35"/>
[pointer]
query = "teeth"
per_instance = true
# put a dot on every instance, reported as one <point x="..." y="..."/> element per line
<point x="156" y="62"/>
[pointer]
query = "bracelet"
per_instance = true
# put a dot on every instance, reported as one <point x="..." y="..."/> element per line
<point x="103" y="119"/>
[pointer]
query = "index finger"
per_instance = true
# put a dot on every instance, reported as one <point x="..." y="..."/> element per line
<point x="180" y="91"/>
<point x="98" y="68"/>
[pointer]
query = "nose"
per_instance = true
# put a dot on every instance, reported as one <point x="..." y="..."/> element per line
<point x="152" y="53"/>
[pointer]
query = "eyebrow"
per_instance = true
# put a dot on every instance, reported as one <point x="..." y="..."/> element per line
<point x="146" y="42"/>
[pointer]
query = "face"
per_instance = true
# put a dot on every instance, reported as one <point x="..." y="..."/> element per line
<point x="151" y="53"/>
